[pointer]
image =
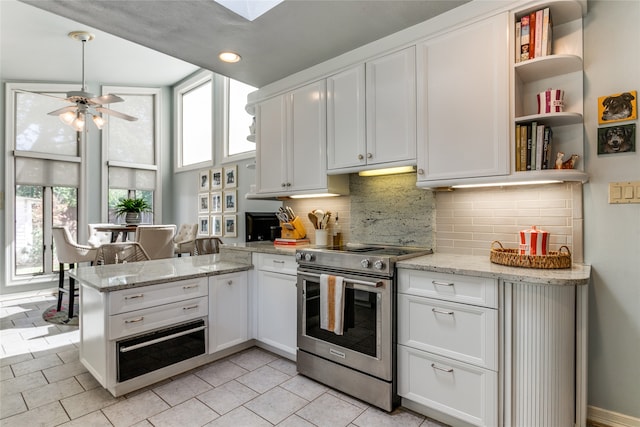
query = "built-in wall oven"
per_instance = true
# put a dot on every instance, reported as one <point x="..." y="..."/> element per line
<point x="361" y="361"/>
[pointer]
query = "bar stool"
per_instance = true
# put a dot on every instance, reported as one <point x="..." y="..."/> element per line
<point x="69" y="252"/>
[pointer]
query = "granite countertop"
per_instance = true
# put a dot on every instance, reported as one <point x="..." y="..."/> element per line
<point x="578" y="274"/>
<point x="265" y="247"/>
<point x="107" y="278"/>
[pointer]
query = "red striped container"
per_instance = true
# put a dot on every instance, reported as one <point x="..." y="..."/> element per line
<point x="534" y="242"/>
<point x="551" y="101"/>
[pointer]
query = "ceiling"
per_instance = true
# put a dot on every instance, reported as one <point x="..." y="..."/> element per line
<point x="293" y="36"/>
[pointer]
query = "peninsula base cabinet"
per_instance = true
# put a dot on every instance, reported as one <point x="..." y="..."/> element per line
<point x="276" y="304"/>
<point x="228" y="311"/>
<point x="486" y="352"/>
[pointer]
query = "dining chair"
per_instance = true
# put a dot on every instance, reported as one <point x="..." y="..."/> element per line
<point x="69" y="252"/>
<point x="120" y="253"/>
<point x="157" y="240"/>
<point x="184" y="239"/>
<point x="97" y="238"/>
<point x="207" y="245"/>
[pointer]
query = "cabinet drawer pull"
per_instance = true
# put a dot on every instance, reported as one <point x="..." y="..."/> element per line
<point x="434" y="366"/>
<point x="136" y="320"/>
<point x="133" y="296"/>
<point x="277" y="261"/>
<point x="439" y="283"/>
<point x="190" y="286"/>
<point x="191" y="307"/>
<point x="437" y="310"/>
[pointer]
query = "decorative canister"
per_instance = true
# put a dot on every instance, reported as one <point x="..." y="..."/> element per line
<point x="551" y="101"/>
<point x="534" y="242"/>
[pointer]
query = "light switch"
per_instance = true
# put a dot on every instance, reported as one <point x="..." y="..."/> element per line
<point x="624" y="192"/>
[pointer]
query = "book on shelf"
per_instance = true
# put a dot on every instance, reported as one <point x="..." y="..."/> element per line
<point x="524" y="38"/>
<point x="539" y="146"/>
<point x="534" y="143"/>
<point x="537" y="52"/>
<point x="547" y="158"/>
<point x="523" y="147"/>
<point x="532" y="35"/>
<point x="518" y="38"/>
<point x="546" y="32"/>
<point x="518" y="147"/>
<point x="528" y="155"/>
<point x="290" y="242"/>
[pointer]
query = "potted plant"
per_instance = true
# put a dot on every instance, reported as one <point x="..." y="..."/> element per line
<point x="132" y="209"/>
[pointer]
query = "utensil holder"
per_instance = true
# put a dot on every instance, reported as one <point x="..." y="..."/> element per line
<point x="321" y="237"/>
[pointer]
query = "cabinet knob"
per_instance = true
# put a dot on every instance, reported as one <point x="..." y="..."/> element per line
<point x="360" y="157"/>
<point x="420" y="171"/>
<point x="230" y="282"/>
<point x="369" y="156"/>
<point x="283" y="185"/>
<point x="288" y="184"/>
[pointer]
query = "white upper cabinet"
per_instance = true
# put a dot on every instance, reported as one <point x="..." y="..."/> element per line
<point x="463" y="103"/>
<point x="291" y="142"/>
<point x="371" y="114"/>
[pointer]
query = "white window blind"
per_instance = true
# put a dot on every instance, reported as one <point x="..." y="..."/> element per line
<point x="132" y="179"/>
<point x="30" y="171"/>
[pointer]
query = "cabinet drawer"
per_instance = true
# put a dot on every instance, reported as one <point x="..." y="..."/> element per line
<point x="149" y="296"/>
<point x="451" y="287"/>
<point x="148" y="319"/>
<point x="454" y="388"/>
<point x="463" y="332"/>
<point x="278" y="263"/>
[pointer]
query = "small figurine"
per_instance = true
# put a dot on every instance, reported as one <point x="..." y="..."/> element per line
<point x="565" y="164"/>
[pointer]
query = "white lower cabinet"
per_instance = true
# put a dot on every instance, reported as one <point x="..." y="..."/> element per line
<point x="447" y="349"/>
<point x="228" y="311"/>
<point x="276" y="304"/>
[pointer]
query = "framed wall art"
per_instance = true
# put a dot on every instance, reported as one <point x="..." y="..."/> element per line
<point x="230" y="229"/>
<point x="203" y="181"/>
<point x="203" y="203"/>
<point x="617" y="139"/>
<point x="216" y="225"/>
<point x="203" y="225"/>
<point x="618" y="107"/>
<point x="216" y="179"/>
<point x="230" y="200"/>
<point x="231" y="176"/>
<point x="216" y="202"/>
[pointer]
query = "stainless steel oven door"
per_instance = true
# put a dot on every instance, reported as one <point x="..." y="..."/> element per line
<point x="366" y="343"/>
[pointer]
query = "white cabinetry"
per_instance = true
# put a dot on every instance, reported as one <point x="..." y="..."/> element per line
<point x="228" y="311"/>
<point x="448" y="344"/>
<point x="372" y="114"/>
<point x="276" y="304"/>
<point x="291" y="143"/>
<point x="463" y="109"/>
<point x="563" y="69"/>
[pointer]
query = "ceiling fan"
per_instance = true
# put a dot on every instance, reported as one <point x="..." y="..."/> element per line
<point x="86" y="103"/>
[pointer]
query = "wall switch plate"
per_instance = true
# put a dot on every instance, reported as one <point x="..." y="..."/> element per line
<point x="624" y="192"/>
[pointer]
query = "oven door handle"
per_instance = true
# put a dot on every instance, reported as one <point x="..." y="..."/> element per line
<point x="157" y="340"/>
<point x="347" y="280"/>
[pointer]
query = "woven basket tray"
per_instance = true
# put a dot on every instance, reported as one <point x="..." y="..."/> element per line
<point x="511" y="257"/>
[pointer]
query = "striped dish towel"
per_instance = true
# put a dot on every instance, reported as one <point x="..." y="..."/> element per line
<point x="332" y="303"/>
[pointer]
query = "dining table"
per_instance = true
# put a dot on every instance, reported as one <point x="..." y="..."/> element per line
<point x="118" y="229"/>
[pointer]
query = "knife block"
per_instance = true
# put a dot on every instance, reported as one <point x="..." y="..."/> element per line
<point x="298" y="231"/>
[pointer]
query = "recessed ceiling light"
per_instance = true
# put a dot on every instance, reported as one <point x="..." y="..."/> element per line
<point x="229" y="57"/>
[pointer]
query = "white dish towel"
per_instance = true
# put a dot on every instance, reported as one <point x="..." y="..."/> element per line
<point x="332" y="303"/>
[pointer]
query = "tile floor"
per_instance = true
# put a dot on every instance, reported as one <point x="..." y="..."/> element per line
<point x="44" y="384"/>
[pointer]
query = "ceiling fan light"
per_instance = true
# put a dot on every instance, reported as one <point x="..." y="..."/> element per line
<point x="99" y="121"/>
<point x="68" y="117"/>
<point x="78" y="123"/>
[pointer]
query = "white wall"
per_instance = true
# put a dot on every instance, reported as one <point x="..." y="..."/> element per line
<point x="612" y="232"/>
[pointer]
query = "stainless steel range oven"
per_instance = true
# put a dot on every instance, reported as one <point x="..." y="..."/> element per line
<point x="361" y="361"/>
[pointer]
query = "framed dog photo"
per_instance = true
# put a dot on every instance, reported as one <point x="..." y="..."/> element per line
<point x="216" y="202"/>
<point x="230" y="199"/>
<point x="203" y="180"/>
<point x="203" y="203"/>
<point x="617" y="139"/>
<point x="203" y="225"/>
<point x="230" y="229"/>
<point x="216" y="225"/>
<point x="231" y="176"/>
<point x="618" y="107"/>
<point x="216" y="179"/>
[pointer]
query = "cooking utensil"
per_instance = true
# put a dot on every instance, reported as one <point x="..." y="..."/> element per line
<point x="291" y="214"/>
<point x="283" y="217"/>
<point x="313" y="219"/>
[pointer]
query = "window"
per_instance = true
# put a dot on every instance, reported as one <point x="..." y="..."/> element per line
<point x="240" y="137"/>
<point x="132" y="150"/>
<point x="44" y="170"/>
<point x="194" y="121"/>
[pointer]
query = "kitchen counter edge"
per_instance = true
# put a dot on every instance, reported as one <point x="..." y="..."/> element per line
<point x="480" y="266"/>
